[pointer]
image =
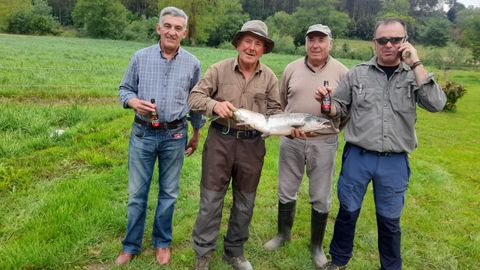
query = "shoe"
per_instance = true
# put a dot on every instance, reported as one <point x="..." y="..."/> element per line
<point x="163" y="255"/>
<point x="238" y="263"/>
<point x="332" y="266"/>
<point x="124" y="258"/>
<point x="201" y="262"/>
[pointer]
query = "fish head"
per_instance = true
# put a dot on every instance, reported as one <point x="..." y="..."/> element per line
<point x="315" y="123"/>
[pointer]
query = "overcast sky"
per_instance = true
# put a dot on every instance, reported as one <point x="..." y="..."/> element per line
<point x="467" y="3"/>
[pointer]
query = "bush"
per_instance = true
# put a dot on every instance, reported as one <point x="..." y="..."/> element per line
<point x="226" y="45"/>
<point x="283" y="44"/>
<point x="346" y="52"/>
<point x="451" y="57"/>
<point x="454" y="91"/>
<point x="142" y="29"/>
<point x="38" y="20"/>
<point x="100" y="18"/>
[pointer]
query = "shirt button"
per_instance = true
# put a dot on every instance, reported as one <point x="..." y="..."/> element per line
<point x="385" y="105"/>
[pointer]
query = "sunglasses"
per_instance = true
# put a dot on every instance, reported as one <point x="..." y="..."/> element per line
<point x="385" y="40"/>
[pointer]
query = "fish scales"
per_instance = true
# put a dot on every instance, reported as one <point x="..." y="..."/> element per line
<point x="281" y="124"/>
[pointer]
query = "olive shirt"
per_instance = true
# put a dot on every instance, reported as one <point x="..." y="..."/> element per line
<point x="223" y="81"/>
<point x="383" y="111"/>
<point x="298" y="85"/>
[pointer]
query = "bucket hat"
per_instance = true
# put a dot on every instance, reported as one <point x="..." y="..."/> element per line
<point x="257" y="28"/>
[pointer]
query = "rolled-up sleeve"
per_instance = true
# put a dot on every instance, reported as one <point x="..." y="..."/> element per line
<point x="430" y="95"/>
<point x="200" y="99"/>
<point x="342" y="96"/>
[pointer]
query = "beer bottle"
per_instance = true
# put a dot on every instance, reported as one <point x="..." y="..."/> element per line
<point x="154" y="116"/>
<point x="326" y="105"/>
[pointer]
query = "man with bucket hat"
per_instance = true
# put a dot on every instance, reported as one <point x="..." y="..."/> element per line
<point x="231" y="151"/>
<point x="315" y="153"/>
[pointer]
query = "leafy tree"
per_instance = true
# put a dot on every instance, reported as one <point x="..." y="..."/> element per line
<point x="436" y="31"/>
<point x="282" y="23"/>
<point x="363" y="16"/>
<point x="147" y="8"/>
<point x="319" y="11"/>
<point x="141" y="29"/>
<point x="37" y="20"/>
<point x="399" y="9"/>
<point x="100" y="18"/>
<point x="62" y="9"/>
<point x="10" y="7"/>
<point x="452" y="12"/>
<point x="207" y="17"/>
<point x="468" y="22"/>
<point x="261" y="9"/>
<point x="201" y="17"/>
<point x="227" y="25"/>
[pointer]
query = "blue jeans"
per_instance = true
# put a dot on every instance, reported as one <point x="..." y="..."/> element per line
<point x="146" y="145"/>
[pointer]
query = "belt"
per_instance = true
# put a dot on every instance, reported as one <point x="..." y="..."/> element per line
<point x="239" y="134"/>
<point x="380" y="154"/>
<point x="166" y="125"/>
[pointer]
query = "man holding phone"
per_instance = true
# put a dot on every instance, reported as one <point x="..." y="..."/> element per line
<point x="381" y="97"/>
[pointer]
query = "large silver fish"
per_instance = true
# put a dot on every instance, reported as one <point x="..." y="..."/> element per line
<point x="281" y="124"/>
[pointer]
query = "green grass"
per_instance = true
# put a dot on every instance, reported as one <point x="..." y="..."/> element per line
<point x="63" y="198"/>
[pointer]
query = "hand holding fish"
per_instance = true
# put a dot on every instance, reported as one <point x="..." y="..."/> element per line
<point x="224" y="109"/>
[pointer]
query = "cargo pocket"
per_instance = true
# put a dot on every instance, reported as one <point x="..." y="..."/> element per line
<point x="362" y="96"/>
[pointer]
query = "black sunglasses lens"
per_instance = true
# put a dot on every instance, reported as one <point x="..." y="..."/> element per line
<point x="396" y="39"/>
<point x="383" y="41"/>
<point x="393" y="40"/>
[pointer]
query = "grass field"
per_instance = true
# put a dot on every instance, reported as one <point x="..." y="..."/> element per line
<point x="63" y="198"/>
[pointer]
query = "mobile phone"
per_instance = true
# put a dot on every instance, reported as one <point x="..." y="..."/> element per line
<point x="403" y="54"/>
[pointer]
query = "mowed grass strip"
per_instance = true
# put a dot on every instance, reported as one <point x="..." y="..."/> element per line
<point x="63" y="199"/>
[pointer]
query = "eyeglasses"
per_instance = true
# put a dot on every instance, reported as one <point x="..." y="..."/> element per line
<point x="385" y="40"/>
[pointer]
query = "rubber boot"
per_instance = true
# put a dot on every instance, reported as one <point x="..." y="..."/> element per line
<point x="286" y="214"/>
<point x="318" y="225"/>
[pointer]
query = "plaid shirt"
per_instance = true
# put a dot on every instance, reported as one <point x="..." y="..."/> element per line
<point x="150" y="75"/>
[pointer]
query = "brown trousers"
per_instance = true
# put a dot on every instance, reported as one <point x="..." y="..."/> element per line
<point x="225" y="157"/>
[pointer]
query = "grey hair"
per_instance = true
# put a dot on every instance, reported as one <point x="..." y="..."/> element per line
<point x="175" y="12"/>
<point x="390" y="21"/>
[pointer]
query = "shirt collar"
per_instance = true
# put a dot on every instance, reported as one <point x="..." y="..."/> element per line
<point x="373" y="62"/>
<point x="179" y="50"/>
<point x="305" y="61"/>
<point x="258" y="69"/>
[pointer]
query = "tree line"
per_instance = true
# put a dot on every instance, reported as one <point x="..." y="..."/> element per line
<point x="213" y="22"/>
